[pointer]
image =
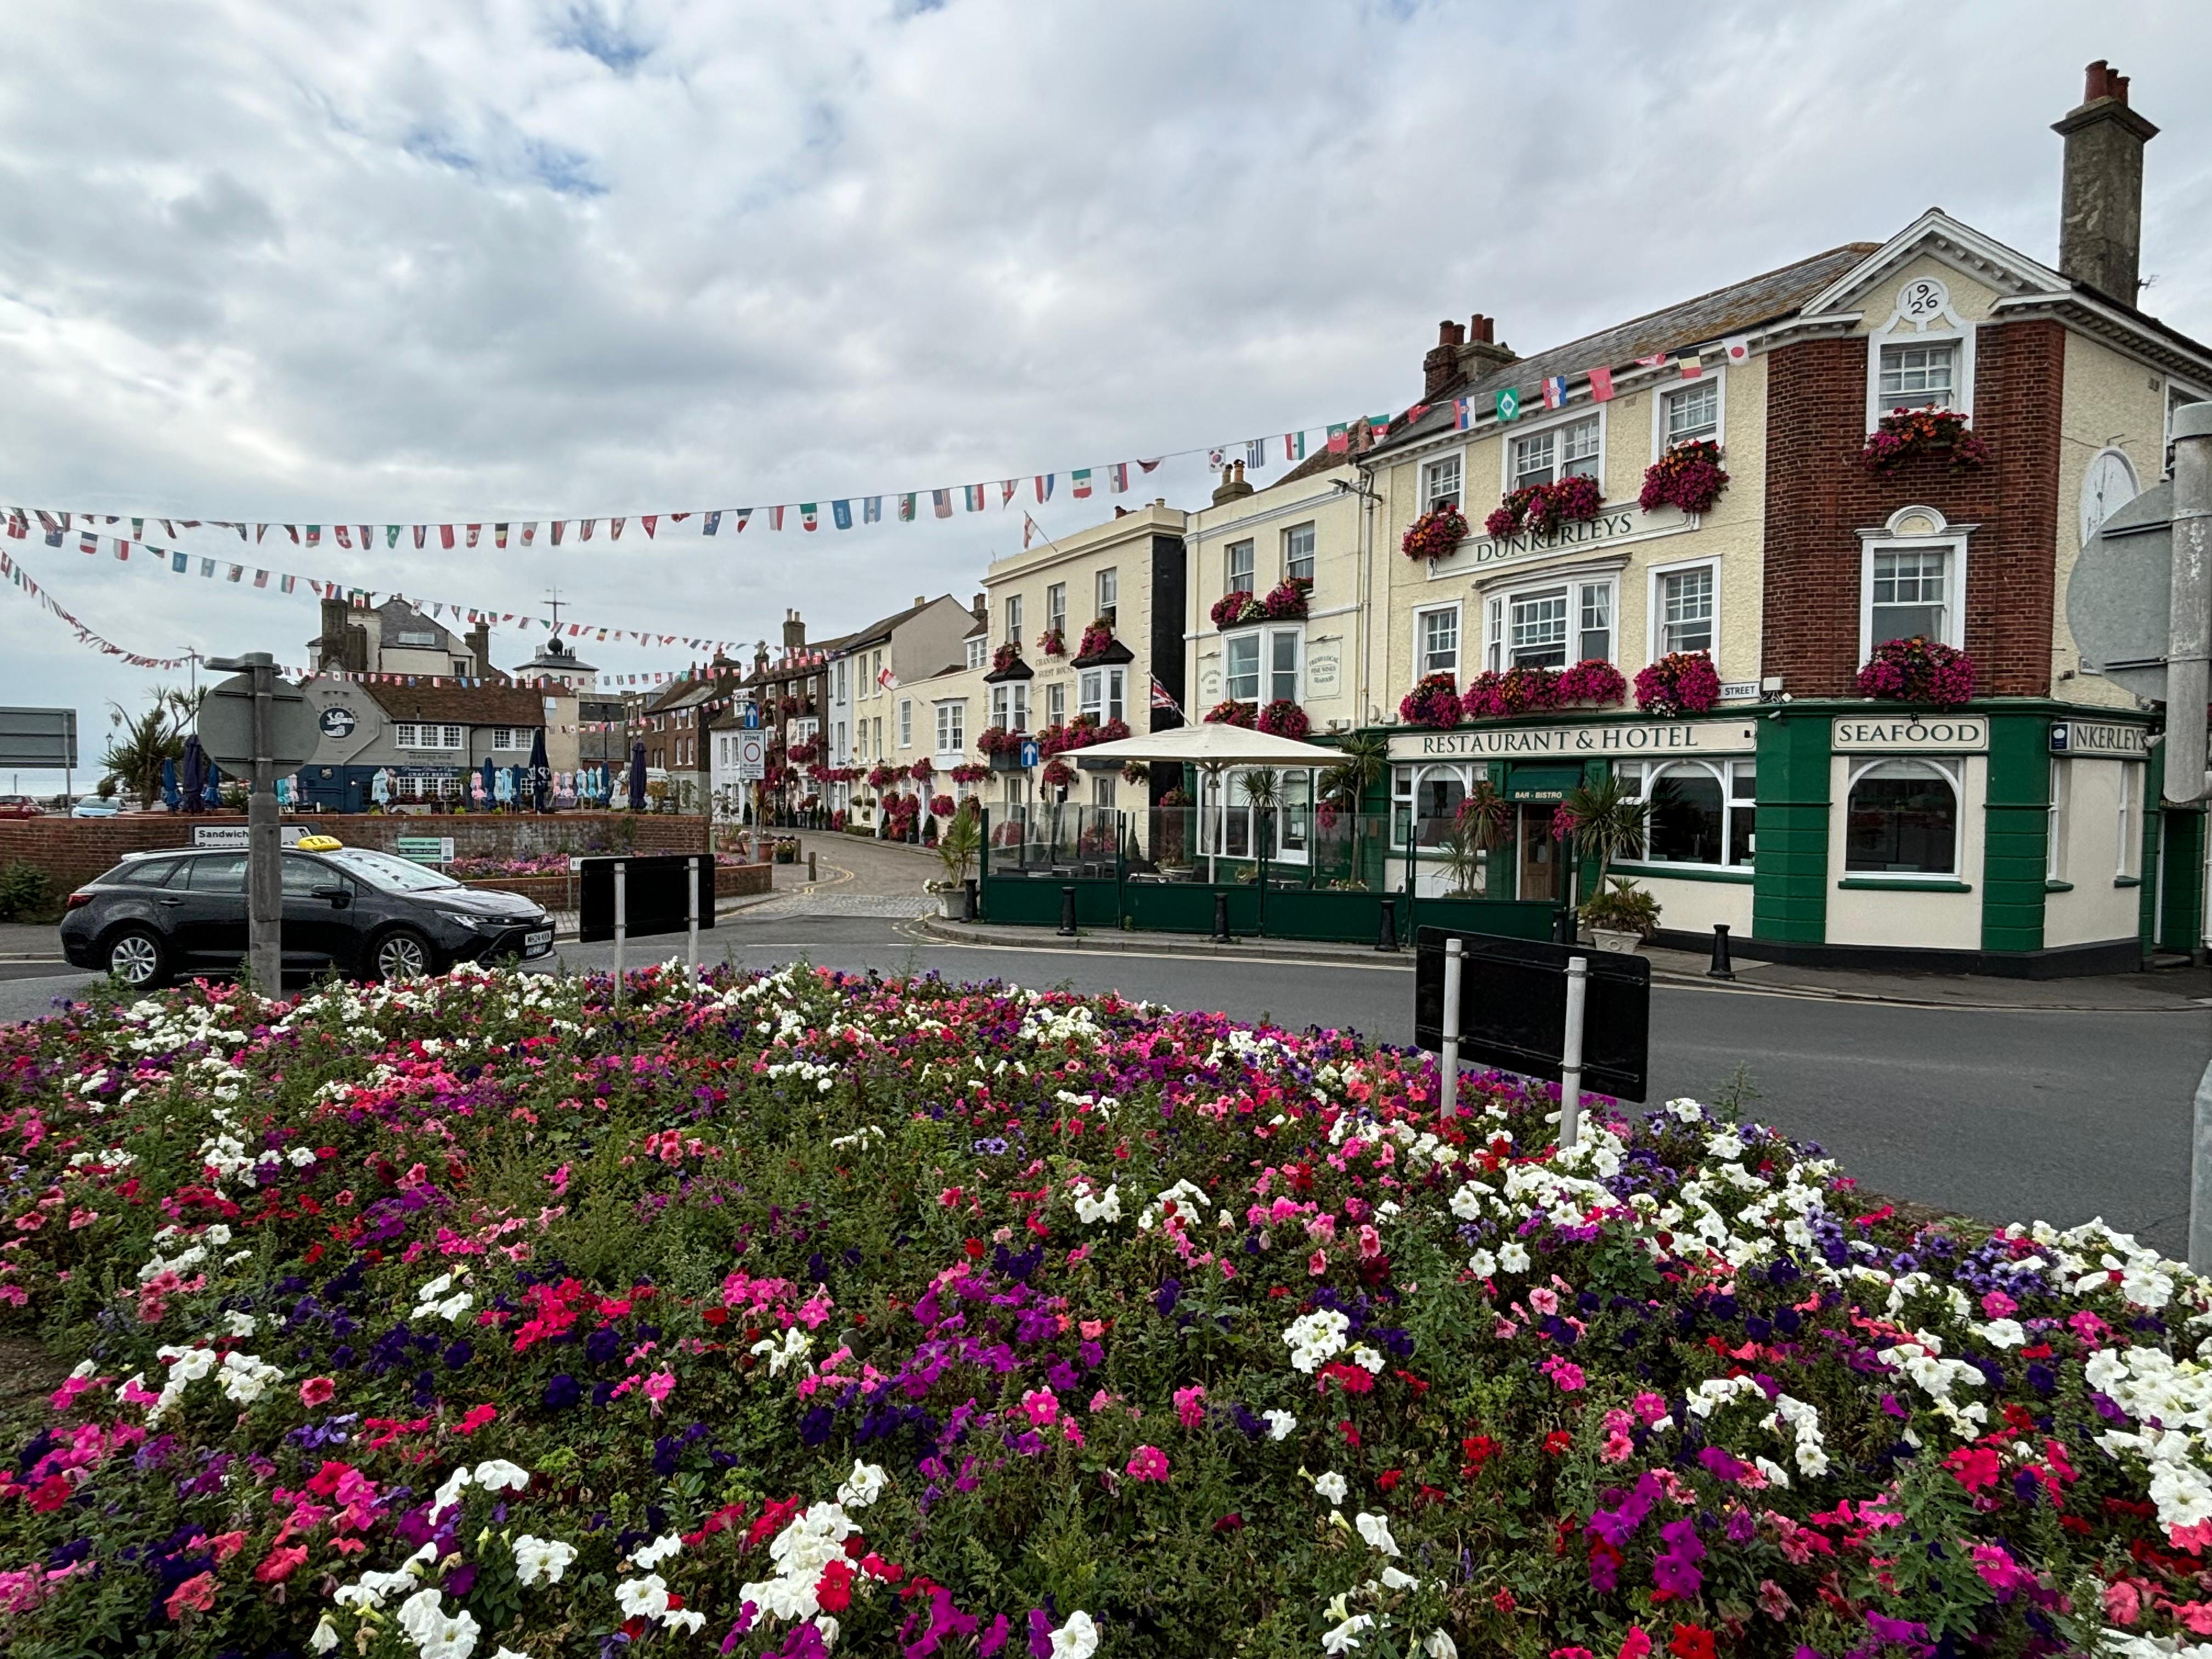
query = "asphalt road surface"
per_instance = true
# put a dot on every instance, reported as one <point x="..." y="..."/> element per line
<point x="1990" y="1112"/>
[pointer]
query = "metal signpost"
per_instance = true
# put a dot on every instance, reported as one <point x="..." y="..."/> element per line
<point x="261" y="725"/>
<point x="1568" y="1013"/>
<point x="624" y="896"/>
<point x="40" y="738"/>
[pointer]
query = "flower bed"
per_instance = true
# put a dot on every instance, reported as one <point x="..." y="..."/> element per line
<point x="472" y="1310"/>
<point x="1918" y="671"/>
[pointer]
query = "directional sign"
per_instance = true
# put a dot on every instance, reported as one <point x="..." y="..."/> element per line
<point x="38" y="737"/>
<point x="1029" y="752"/>
<point x="2120" y="594"/>
<point x="1513" y="1008"/>
<point x="752" y="755"/>
<point x="226" y="724"/>
<point x="749" y="716"/>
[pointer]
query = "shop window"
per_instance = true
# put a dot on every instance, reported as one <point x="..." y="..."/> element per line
<point x="1436" y="636"/>
<point x="1238" y="575"/>
<point x="1901" y="817"/>
<point x="1922" y="375"/>
<point x="1555" y="452"/>
<point x="1690" y="412"/>
<point x="1703" y="812"/>
<point x="1298" y="553"/>
<point x="1423" y="800"/>
<point x="1440" y="484"/>
<point x="1684" y="609"/>
<point x="2054" y="821"/>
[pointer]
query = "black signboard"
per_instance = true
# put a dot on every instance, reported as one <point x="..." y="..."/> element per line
<point x="1513" y="1008"/>
<point x="656" y="896"/>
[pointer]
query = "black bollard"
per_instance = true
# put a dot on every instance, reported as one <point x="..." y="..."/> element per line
<point x="1721" y="968"/>
<point x="1068" y="913"/>
<point x="1386" y="931"/>
<point x="1221" y="916"/>
<point x="1563" y="926"/>
<point x="974" y="910"/>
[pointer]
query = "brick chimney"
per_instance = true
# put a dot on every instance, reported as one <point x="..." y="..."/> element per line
<point x="1463" y="355"/>
<point x="1440" y="368"/>
<point x="795" y="631"/>
<point x="979" y="607"/>
<point x="2100" y="200"/>
<point x="1232" y="487"/>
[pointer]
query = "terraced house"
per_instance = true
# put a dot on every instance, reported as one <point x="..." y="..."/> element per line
<point x="1692" y="542"/>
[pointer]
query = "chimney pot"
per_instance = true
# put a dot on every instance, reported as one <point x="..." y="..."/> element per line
<point x="920" y="600"/>
<point x="1449" y="333"/>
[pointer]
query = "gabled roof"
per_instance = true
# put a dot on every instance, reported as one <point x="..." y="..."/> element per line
<point x="1737" y="309"/>
<point x="883" y="628"/>
<point x="460" y="705"/>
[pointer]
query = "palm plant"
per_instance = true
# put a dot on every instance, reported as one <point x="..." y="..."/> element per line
<point x="1609" y="822"/>
<point x="144" y="741"/>
<point x="1477" y="827"/>
<point x="1345" y="785"/>
<point x="959" y="842"/>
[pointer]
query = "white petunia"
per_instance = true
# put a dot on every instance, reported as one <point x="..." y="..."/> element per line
<point x="658" y="1550"/>
<point x="449" y="1493"/>
<point x="684" y="1619"/>
<point x="1332" y="1486"/>
<point x="326" y="1635"/>
<point x="1439" y="1645"/>
<point x="643" y="1598"/>
<point x="541" y="1560"/>
<point x="1512" y="1256"/>
<point x="1376" y="1529"/>
<point x="2001" y="1332"/>
<point x="1345" y="1636"/>
<point x="1482" y="1265"/>
<point x="499" y="1475"/>
<point x="1394" y="1579"/>
<point x="1076" y="1639"/>
<point x="863" y="1486"/>
<point x="1279" y="1424"/>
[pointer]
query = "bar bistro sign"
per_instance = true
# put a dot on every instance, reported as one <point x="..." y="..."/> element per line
<point x="1625" y="741"/>
<point x="1944" y="734"/>
<point x="1611" y="527"/>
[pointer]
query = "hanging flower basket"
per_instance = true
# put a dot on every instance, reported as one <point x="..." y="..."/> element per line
<point x="1918" y="671"/>
<point x="997" y="740"/>
<point x="1680" y="683"/>
<point x="880" y="776"/>
<point x="1095" y="638"/>
<point x="1287" y="601"/>
<point x="1230" y="712"/>
<point x="1285" y="719"/>
<point x="941" y="806"/>
<point x="1005" y="656"/>
<point x="1541" y="509"/>
<point x="1236" y="607"/>
<point x="1433" y="704"/>
<point x="1594" y="682"/>
<point x="1687" y="476"/>
<point x="1522" y="690"/>
<point x="1053" y="642"/>
<point x="969" y="773"/>
<point x="1058" y="775"/>
<point x="1434" y="534"/>
<point x="1902" y="434"/>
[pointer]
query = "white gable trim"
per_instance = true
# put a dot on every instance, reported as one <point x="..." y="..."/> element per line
<point x="1935" y="234"/>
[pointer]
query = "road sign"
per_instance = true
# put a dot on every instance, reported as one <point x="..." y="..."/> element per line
<point x="226" y="724"/>
<point x="42" y="738"/>
<point x="752" y="755"/>
<point x="231" y="837"/>
<point x="1029" y="752"/>
<point x="1513" y="1008"/>
<point x="656" y="896"/>
<point x="749" y="716"/>
<point x="424" y="849"/>
<point x="2119" y="598"/>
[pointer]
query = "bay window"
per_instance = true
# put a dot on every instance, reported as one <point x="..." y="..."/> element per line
<point x="1240" y="671"/>
<point x="1102" y="694"/>
<point x="1554" y="452"/>
<point x="1550" y="627"/>
<point x="1009" y="706"/>
<point x="1056" y="704"/>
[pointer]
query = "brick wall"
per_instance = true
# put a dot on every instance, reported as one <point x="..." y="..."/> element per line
<point x="1818" y="497"/>
<point x="72" y="851"/>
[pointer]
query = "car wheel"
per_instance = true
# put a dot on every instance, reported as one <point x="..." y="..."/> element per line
<point x="135" y="956"/>
<point x="403" y="953"/>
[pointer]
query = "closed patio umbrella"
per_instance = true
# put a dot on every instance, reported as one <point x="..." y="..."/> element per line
<point x="541" y="772"/>
<point x="171" y="795"/>
<point x="637" y="777"/>
<point x="195" y="780"/>
<point x="490" y="781"/>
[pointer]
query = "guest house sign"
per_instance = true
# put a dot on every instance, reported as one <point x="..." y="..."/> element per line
<point x="1638" y="740"/>
<point x="1613" y="527"/>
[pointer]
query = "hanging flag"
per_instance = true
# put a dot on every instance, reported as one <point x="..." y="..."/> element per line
<point x="649" y="521"/>
<point x="530" y="532"/>
<point x="1555" y="392"/>
<point x="711" y="525"/>
<point x="1030" y="531"/>
<point x="1601" y="382"/>
<point x="1378" y="425"/>
<point x="1462" y="416"/>
<point x="261" y="578"/>
<point x="284" y="583"/>
<point x="941" y="502"/>
<point x="345" y="536"/>
<point x="1255" y="454"/>
<point x="1691" y="363"/>
<point x="1148" y="466"/>
<point x="840" y="514"/>
<point x="314" y="534"/>
<point x="1509" y="403"/>
<point x="1007" y="488"/>
<point x="1294" y="445"/>
<point x="585" y="534"/>
<point x="366" y="540"/>
<point x="499" y="535"/>
<point x="1081" y="479"/>
<point x="1216" y="459"/>
<point x="872" y="510"/>
<point x="291" y="530"/>
<point x="236" y="571"/>
<point x="87" y="543"/>
<point x="1117" y="476"/>
<point x="614" y="533"/>
<point x="776" y="517"/>
<point x="138" y="530"/>
<point x="1417" y="411"/>
<point x="177" y="562"/>
<point x="1736" y="348"/>
<point x="806" y="520"/>
<point x="886" y="678"/>
<point x="560" y="526"/>
<point x="906" y="507"/>
<point x="1044" y="483"/>
<point x="1162" y="701"/>
<point x="444" y="535"/>
<point x="207" y="569"/>
<point x="1651" y="361"/>
<point x="975" y="497"/>
<point x="1339" y="438"/>
<point x="743" y="516"/>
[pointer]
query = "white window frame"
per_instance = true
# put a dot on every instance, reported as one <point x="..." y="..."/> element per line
<point x="1404" y="790"/>
<point x="1013" y="614"/>
<point x="1434" y="474"/>
<point x="1010" y="705"/>
<point x="1251" y="571"/>
<point x="1954" y="774"/>
<point x="1312" y="550"/>
<point x="1953" y="548"/>
<point x="1106" y="585"/>
<point x="1422" y="666"/>
<point x="1056" y="605"/>
<point x="1103" y="694"/>
<point x="953" y="727"/>
<point x="1264" y="672"/>
<point x="979" y="651"/>
<point x="1229" y="646"/>
<point x="1724" y="770"/>
<point x="1940" y="324"/>
<point x="1557" y="419"/>
<point x="906" y="723"/>
<point x="1653" y="625"/>
<point x="1498" y="610"/>
<point x="1056" y="704"/>
<point x="1664" y="398"/>
<point x="2056" y="818"/>
<point x="2128" y="862"/>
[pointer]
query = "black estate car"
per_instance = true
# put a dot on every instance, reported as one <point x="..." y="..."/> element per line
<point x="157" y="916"/>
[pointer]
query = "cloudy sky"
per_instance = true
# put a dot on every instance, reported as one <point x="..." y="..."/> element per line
<point x="416" y="260"/>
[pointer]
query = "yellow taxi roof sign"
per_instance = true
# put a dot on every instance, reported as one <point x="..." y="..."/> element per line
<point x="319" y="844"/>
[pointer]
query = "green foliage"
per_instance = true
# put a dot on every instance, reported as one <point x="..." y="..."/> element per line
<point x="25" y="894"/>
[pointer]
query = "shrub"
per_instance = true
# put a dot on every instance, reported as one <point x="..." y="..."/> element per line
<point x="1680" y="683"/>
<point x="1919" y="670"/>
<point x="1687" y="476"/>
<point x="1433" y="704"/>
<point x="26" y="894"/>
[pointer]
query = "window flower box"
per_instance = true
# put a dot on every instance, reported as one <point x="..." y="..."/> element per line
<point x="1434" y="534"/>
<point x="1918" y="671"/>
<point x="1687" y="476"/>
<point x="1433" y="704"/>
<point x="1542" y="509"/>
<point x="1592" y="683"/>
<point x="1008" y="655"/>
<point x="1285" y="719"/>
<point x="1096" y="639"/>
<point x="1680" y="683"/>
<point x="1053" y="642"/>
<point x="1237" y="607"/>
<point x="1230" y="712"/>
<point x="1902" y="434"/>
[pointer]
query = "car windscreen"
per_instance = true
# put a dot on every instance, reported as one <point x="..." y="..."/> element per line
<point x="392" y="874"/>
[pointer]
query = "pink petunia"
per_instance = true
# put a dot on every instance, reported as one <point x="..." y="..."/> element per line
<point x="317" y="1391"/>
<point x="1148" y="1463"/>
<point x="1190" y="1405"/>
<point x="195" y="1594"/>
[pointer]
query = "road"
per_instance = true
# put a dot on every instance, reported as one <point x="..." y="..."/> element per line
<point x="1997" y="1114"/>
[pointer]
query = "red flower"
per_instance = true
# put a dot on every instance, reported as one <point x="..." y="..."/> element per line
<point x="50" y="1494"/>
<point x="1558" y="1441"/>
<point x="1479" y="1449"/>
<point x="1973" y="1467"/>
<point x="1231" y="1522"/>
<point x="834" y="1590"/>
<point x="1691" y="1641"/>
<point x="1350" y="1433"/>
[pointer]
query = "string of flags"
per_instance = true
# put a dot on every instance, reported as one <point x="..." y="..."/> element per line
<point x="1506" y="403"/>
<point x="86" y="635"/>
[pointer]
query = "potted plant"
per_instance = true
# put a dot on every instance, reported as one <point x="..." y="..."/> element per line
<point x="1603" y="821"/>
<point x="956" y="847"/>
<point x="1477" y="827"/>
<point x="1620" y="917"/>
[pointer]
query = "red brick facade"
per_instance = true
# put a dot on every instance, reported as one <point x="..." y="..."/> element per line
<point x="1819" y="498"/>
<point x="74" y="850"/>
